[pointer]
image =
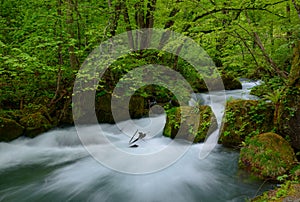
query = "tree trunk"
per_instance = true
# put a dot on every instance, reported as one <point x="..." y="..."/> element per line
<point x="294" y="76"/>
<point x="289" y="110"/>
<point x="115" y="16"/>
<point x="166" y="35"/>
<point x="128" y="25"/>
<point x="297" y="7"/>
<point x="70" y="22"/>
<point x="59" y="54"/>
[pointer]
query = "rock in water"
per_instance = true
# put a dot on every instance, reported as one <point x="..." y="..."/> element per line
<point x="188" y="114"/>
<point x="10" y="129"/>
<point x="267" y="156"/>
<point x="244" y="118"/>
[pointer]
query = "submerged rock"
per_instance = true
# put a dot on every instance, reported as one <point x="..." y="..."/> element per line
<point x="10" y="129"/>
<point x="244" y="118"/>
<point x="267" y="156"/>
<point x="180" y="123"/>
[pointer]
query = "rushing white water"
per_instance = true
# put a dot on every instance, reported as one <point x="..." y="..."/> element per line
<point x="56" y="167"/>
<point x="244" y="93"/>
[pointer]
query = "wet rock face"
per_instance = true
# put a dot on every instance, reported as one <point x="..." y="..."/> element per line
<point x="244" y="118"/>
<point x="180" y="123"/>
<point x="231" y="83"/>
<point x="289" y="116"/>
<point x="267" y="155"/>
<point x="10" y="129"/>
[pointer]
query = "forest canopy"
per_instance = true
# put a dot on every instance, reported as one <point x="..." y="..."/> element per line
<point x="44" y="42"/>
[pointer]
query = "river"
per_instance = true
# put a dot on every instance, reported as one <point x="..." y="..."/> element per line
<point x="56" y="167"/>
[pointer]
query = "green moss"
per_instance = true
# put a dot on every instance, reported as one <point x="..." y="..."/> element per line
<point x="289" y="191"/>
<point x="289" y="115"/>
<point x="35" y="124"/>
<point x="181" y="123"/>
<point x="11" y="114"/>
<point x="9" y="129"/>
<point x="267" y="155"/>
<point x="231" y="83"/>
<point x="245" y="118"/>
<point x="103" y="108"/>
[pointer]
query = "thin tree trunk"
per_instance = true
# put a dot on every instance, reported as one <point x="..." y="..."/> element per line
<point x="297" y="7"/>
<point x="78" y="24"/>
<point x="151" y="6"/>
<point x="70" y="21"/>
<point x="176" y="58"/>
<point x="115" y="16"/>
<point x="166" y="35"/>
<point x="248" y="48"/>
<point x="294" y="76"/>
<point x="128" y="26"/>
<point x="259" y="43"/>
<point x="59" y="54"/>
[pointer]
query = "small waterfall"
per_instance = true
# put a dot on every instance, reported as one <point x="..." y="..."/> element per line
<point x="217" y="101"/>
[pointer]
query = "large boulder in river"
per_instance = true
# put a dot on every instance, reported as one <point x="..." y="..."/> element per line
<point x="10" y="129"/>
<point x="267" y="156"/>
<point x="230" y="83"/>
<point x="180" y="123"/>
<point x="245" y="118"/>
<point x="35" y="124"/>
<point x="104" y="109"/>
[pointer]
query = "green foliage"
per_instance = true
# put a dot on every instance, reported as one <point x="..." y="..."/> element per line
<point x="267" y="155"/>
<point x="184" y="118"/>
<point x="274" y="96"/>
<point x="270" y="85"/>
<point x="244" y="119"/>
<point x="40" y="38"/>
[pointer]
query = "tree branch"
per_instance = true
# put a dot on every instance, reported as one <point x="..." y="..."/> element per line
<point x="240" y="10"/>
<point x="258" y="42"/>
<point x="296" y="7"/>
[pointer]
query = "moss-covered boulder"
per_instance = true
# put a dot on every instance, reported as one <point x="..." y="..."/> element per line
<point x="289" y="115"/>
<point x="15" y="115"/>
<point x="180" y="123"/>
<point x="230" y="83"/>
<point x="267" y="156"/>
<point x="137" y="108"/>
<point x="10" y="129"/>
<point x="287" y="192"/>
<point x="245" y="118"/>
<point x="35" y="124"/>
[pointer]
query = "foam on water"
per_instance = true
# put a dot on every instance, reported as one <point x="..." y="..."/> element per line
<point x="56" y="167"/>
